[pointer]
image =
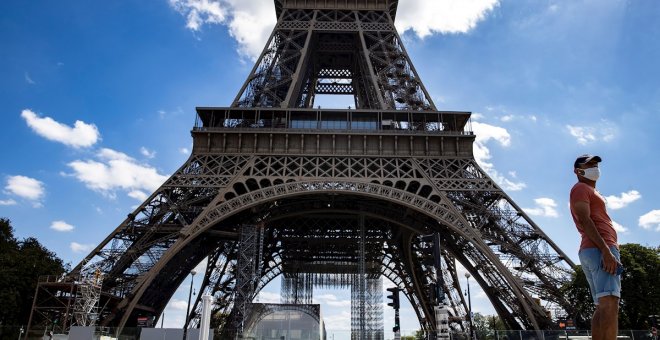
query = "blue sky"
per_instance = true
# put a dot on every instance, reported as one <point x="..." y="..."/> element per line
<point x="97" y="101"/>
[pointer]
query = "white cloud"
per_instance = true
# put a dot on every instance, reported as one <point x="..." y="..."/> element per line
<point x="249" y="21"/>
<point x="619" y="228"/>
<point x="510" y="117"/>
<point x="147" y="153"/>
<point x="341" y="321"/>
<point x="251" y="25"/>
<point x="618" y="202"/>
<point x="545" y="207"/>
<point x="81" y="248"/>
<point x="650" y="220"/>
<point x="584" y="135"/>
<point x="484" y="134"/>
<point x="25" y="187"/>
<point x="116" y="170"/>
<point x="7" y="202"/>
<point x="184" y="151"/>
<point x="162" y="114"/>
<point x="200" y="12"/>
<point x="138" y="195"/>
<point x="426" y="17"/>
<point x="268" y="297"/>
<point x="28" y="79"/>
<point x="80" y="135"/>
<point x="61" y="226"/>
<point x="505" y="183"/>
<point x="332" y="300"/>
<point x="604" y="131"/>
<point x="179" y="304"/>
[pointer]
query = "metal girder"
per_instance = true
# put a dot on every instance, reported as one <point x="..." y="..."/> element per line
<point x="218" y="282"/>
<point x="306" y="43"/>
<point x="380" y="6"/>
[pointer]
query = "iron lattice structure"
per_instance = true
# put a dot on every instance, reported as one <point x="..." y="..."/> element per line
<point x="277" y="188"/>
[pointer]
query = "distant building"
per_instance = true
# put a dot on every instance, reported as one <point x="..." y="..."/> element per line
<point x="268" y="321"/>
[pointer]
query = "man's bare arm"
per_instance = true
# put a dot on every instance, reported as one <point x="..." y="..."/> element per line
<point x="583" y="213"/>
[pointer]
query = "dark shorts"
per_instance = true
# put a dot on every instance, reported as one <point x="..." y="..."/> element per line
<point x="601" y="282"/>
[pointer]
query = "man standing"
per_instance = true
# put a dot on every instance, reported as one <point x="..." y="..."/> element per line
<point x="599" y="250"/>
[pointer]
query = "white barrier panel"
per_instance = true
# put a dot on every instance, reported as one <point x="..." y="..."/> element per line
<point x="161" y="334"/>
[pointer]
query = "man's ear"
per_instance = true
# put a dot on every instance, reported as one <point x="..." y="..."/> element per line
<point x="578" y="171"/>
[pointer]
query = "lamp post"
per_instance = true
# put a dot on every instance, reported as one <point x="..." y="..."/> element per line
<point x="467" y="276"/>
<point x="185" y="325"/>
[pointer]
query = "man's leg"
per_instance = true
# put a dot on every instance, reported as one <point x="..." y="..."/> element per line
<point x="596" y="333"/>
<point x="590" y="261"/>
<point x="608" y="310"/>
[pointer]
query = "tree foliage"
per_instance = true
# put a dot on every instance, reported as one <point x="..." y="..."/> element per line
<point x="640" y="285"/>
<point x="640" y="289"/>
<point x="419" y="335"/>
<point x="486" y="325"/>
<point x="21" y="264"/>
<point x="578" y="293"/>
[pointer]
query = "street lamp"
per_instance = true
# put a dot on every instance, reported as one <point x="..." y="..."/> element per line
<point x="185" y="325"/>
<point x="467" y="276"/>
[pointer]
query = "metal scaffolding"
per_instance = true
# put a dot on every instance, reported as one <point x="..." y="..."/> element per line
<point x="297" y="289"/>
<point x="86" y="304"/>
<point x="251" y="238"/>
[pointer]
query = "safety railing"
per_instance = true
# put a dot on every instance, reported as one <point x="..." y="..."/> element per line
<point x="412" y="122"/>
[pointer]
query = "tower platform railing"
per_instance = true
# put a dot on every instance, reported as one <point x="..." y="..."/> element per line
<point x="334" y="120"/>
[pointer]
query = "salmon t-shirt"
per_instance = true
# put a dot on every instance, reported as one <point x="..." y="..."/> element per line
<point x="585" y="193"/>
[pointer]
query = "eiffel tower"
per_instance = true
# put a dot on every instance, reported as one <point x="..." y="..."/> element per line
<point x="276" y="187"/>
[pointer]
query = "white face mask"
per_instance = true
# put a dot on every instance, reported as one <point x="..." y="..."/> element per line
<point x="591" y="173"/>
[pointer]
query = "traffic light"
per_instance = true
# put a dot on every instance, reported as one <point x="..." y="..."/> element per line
<point x="653" y="320"/>
<point x="394" y="296"/>
<point x="396" y="328"/>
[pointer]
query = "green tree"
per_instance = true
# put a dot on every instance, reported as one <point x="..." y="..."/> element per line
<point x="480" y="326"/>
<point x="486" y="325"/>
<point x="578" y="293"/>
<point x="495" y="323"/>
<point x="419" y="335"/>
<point x="640" y="285"/>
<point x="640" y="289"/>
<point x="21" y="264"/>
